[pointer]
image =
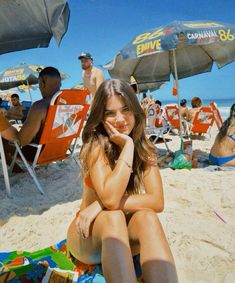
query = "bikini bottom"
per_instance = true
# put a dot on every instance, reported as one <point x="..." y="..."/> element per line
<point x="215" y="160"/>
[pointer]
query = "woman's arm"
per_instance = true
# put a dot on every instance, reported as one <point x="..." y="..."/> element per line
<point x="152" y="199"/>
<point x="86" y="216"/>
<point x="110" y="185"/>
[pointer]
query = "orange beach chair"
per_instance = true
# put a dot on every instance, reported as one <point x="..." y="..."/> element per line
<point x="65" y="118"/>
<point x="203" y="121"/>
<point x="172" y="115"/>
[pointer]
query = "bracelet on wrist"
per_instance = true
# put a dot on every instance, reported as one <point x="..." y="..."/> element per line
<point x="127" y="164"/>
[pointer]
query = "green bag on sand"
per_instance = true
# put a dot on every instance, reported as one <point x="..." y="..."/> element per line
<point x="181" y="159"/>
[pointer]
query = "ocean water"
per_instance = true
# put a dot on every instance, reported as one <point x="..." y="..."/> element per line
<point x="224" y="105"/>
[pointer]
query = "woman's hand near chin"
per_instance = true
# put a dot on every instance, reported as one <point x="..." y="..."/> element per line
<point x="115" y="136"/>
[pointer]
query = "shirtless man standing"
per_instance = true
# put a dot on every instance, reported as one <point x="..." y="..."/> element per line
<point x="92" y="76"/>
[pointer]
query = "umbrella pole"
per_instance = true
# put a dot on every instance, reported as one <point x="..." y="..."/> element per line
<point x="29" y="91"/>
<point x="178" y="96"/>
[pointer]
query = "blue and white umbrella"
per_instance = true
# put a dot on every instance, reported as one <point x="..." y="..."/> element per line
<point x="182" y="49"/>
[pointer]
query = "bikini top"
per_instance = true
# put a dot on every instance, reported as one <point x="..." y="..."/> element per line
<point x="88" y="182"/>
<point x="231" y="136"/>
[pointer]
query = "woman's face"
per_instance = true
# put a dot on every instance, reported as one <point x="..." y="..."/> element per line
<point x="119" y="115"/>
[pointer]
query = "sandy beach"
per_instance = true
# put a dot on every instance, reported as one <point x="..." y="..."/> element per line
<point x="199" y="215"/>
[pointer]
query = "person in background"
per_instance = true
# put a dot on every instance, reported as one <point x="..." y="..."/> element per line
<point x="92" y="76"/>
<point x="2" y="109"/>
<point x="159" y="114"/>
<point x="196" y="103"/>
<point x="16" y="111"/>
<point x="122" y="192"/>
<point x="223" y="150"/>
<point x="146" y="102"/>
<point x="49" y="84"/>
<point x="185" y="113"/>
<point x="7" y="131"/>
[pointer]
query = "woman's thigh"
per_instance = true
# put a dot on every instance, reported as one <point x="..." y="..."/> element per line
<point x="106" y="224"/>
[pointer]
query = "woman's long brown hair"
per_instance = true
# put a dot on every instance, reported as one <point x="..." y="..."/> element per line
<point x="94" y="132"/>
<point x="229" y="122"/>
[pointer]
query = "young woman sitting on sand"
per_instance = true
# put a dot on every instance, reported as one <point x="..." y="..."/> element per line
<point x="122" y="192"/>
<point x="223" y="150"/>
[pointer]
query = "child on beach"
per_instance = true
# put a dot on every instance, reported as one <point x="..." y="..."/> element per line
<point x="122" y="192"/>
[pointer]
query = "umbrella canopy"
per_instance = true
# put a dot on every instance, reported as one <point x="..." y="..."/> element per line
<point x="144" y="87"/>
<point x="22" y="74"/>
<point x="27" y="88"/>
<point x="118" y="73"/>
<point x="29" y="24"/>
<point x="180" y="48"/>
<point x="149" y="56"/>
<point x="78" y="86"/>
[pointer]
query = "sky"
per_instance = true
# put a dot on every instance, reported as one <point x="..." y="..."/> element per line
<point x="103" y="27"/>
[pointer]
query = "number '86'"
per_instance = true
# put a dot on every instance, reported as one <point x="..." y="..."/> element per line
<point x="148" y="36"/>
<point x="224" y="36"/>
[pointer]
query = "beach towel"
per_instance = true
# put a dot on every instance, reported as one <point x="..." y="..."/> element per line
<point x="50" y="265"/>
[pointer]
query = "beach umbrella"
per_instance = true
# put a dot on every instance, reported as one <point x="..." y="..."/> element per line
<point x="29" y="24"/>
<point x="23" y="74"/>
<point x="182" y="49"/>
<point x="80" y="86"/>
<point x="25" y="88"/>
<point x="144" y="87"/>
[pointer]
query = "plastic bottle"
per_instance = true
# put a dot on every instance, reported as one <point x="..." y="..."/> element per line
<point x="188" y="148"/>
<point x="195" y="159"/>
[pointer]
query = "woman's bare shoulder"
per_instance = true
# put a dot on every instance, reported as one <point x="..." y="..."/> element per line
<point x="96" y="153"/>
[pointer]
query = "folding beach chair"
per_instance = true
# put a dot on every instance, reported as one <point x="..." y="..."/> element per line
<point x="155" y="133"/>
<point x="217" y="115"/>
<point x="63" y="125"/>
<point x="203" y="121"/>
<point x="4" y="168"/>
<point x="172" y="115"/>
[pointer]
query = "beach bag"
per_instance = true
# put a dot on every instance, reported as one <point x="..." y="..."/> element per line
<point x="181" y="160"/>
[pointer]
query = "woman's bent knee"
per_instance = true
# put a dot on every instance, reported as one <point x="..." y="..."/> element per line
<point x="144" y="217"/>
<point x="114" y="217"/>
<point x="112" y="222"/>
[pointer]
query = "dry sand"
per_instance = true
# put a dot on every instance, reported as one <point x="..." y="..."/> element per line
<point x="197" y="203"/>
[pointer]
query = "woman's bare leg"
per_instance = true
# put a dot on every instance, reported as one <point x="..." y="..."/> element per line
<point x="109" y="244"/>
<point x="155" y="255"/>
<point x="230" y="163"/>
